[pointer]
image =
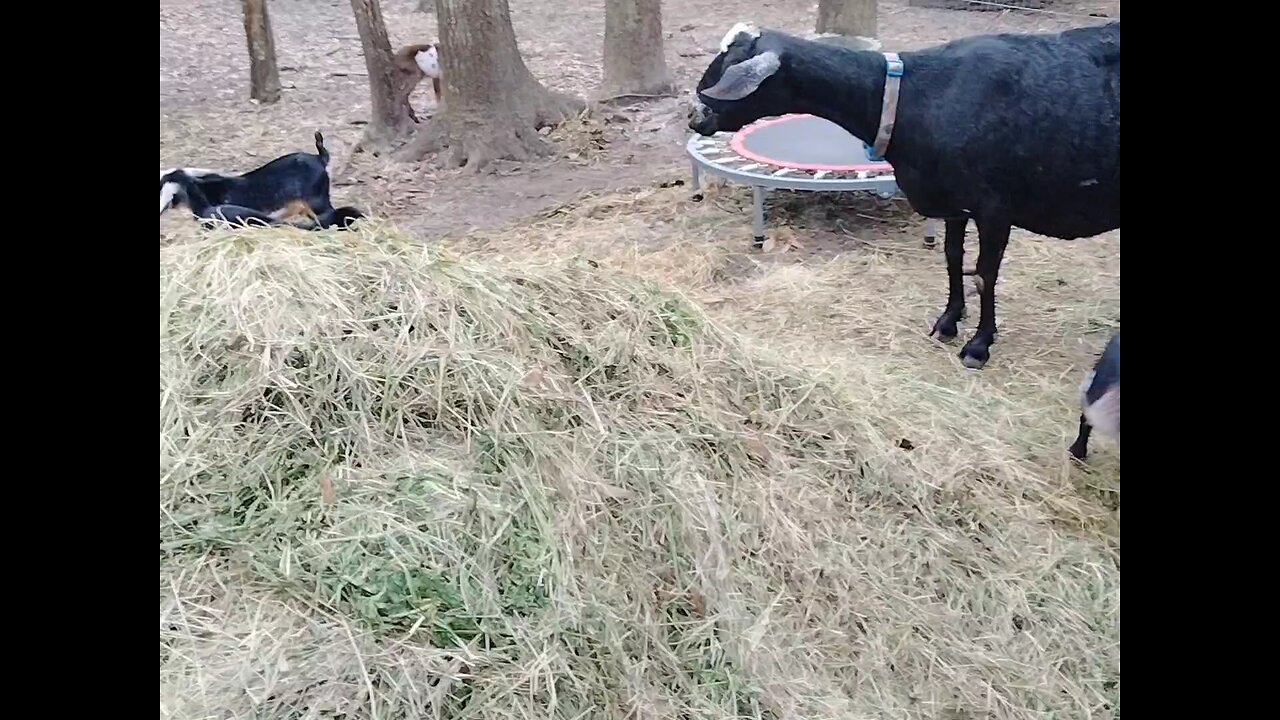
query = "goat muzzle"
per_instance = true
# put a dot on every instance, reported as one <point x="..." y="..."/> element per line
<point x="701" y="118"/>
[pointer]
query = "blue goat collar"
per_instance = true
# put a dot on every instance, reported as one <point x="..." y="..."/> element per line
<point x="894" y="70"/>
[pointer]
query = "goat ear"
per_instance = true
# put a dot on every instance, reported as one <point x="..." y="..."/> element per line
<point x="744" y="78"/>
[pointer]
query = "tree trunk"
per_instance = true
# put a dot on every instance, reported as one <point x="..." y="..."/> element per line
<point x="391" y="117"/>
<point x="634" y="62"/>
<point x="493" y="106"/>
<point x="264" y="73"/>
<point x="847" y="17"/>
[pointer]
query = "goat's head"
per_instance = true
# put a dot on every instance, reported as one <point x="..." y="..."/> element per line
<point x="428" y="60"/>
<point x="171" y="194"/>
<point x="740" y="86"/>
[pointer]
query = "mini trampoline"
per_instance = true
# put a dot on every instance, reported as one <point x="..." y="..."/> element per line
<point x="793" y="152"/>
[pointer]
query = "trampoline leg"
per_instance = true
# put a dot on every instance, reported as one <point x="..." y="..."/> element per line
<point x="697" y="182"/>
<point x="930" y="233"/>
<point x="757" y="214"/>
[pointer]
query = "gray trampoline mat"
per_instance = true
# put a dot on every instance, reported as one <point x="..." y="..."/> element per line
<point x="803" y="140"/>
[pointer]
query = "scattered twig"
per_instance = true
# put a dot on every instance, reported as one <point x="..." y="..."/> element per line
<point x="622" y="96"/>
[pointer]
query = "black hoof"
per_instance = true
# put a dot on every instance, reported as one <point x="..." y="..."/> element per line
<point x="945" y="328"/>
<point x="975" y="354"/>
<point x="1079" y="451"/>
<point x="697" y="197"/>
<point x="757" y="242"/>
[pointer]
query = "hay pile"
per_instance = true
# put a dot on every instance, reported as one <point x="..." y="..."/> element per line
<point x="396" y="485"/>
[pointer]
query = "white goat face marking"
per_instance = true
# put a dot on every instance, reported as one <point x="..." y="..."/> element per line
<point x="167" y="193"/>
<point x="698" y="112"/>
<point x="429" y="61"/>
<point x="727" y="40"/>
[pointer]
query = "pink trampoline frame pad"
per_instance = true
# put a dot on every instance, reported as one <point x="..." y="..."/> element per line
<point x="738" y="143"/>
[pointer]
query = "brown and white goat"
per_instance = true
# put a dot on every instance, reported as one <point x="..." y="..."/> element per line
<point x="416" y="62"/>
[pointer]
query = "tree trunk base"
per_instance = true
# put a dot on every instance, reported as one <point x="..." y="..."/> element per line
<point x="474" y="143"/>
<point x="379" y="139"/>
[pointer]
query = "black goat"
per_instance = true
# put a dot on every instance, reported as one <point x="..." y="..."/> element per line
<point x="293" y="184"/>
<point x="190" y="193"/>
<point x="1006" y="129"/>
<point x="1100" y="399"/>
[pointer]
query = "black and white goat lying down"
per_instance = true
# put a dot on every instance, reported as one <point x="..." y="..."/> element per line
<point x="293" y="184"/>
<point x="1009" y="129"/>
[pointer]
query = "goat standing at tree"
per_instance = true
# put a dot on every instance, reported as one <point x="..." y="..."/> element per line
<point x="492" y="105"/>
<point x="417" y="62"/>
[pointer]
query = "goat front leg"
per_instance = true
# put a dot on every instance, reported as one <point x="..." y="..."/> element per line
<point x="945" y="328"/>
<point x="993" y="238"/>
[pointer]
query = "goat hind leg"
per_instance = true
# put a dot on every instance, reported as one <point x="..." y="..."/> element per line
<point x="1080" y="448"/>
<point x="993" y="238"/>
<point x="945" y="327"/>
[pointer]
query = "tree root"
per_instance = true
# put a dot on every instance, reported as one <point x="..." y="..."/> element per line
<point x="474" y="142"/>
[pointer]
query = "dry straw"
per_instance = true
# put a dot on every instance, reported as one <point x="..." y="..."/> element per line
<point x="394" y="484"/>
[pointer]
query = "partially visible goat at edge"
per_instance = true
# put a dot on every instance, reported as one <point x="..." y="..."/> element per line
<point x="1100" y="400"/>
<point x="293" y="184"/>
<point x="1009" y="129"/>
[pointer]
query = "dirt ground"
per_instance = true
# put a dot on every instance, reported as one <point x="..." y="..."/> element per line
<point x="207" y="120"/>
